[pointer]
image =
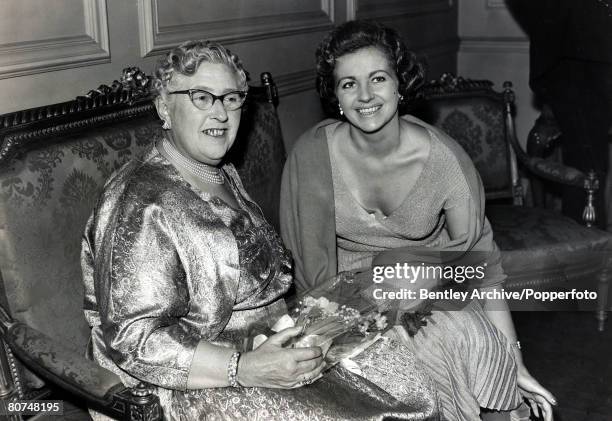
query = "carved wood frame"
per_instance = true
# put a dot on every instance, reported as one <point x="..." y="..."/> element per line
<point x="129" y="97"/>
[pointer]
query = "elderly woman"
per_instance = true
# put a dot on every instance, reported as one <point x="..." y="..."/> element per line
<point x="179" y="264"/>
<point x="383" y="189"/>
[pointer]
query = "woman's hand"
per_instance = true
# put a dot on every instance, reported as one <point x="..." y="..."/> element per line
<point x="540" y="399"/>
<point x="273" y="366"/>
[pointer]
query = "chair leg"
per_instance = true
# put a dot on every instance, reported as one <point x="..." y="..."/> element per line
<point x="602" y="294"/>
<point x="9" y="391"/>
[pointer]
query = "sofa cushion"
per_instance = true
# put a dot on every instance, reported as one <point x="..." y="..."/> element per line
<point x="541" y="246"/>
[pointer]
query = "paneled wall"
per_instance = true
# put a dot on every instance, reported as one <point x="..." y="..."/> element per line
<point x="429" y="27"/>
<point x="493" y="46"/>
<point x="54" y="50"/>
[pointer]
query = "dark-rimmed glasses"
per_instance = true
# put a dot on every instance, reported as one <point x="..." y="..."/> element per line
<point x="204" y="100"/>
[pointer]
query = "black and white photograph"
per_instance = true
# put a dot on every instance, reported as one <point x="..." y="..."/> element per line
<point x="306" y="210"/>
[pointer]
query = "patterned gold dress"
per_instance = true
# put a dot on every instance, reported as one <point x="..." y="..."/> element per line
<point x="166" y="266"/>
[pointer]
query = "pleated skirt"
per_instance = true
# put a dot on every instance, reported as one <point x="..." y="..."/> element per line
<point x="470" y="362"/>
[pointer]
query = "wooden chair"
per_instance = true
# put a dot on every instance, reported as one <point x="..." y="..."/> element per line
<point x="541" y="249"/>
<point x="53" y="163"/>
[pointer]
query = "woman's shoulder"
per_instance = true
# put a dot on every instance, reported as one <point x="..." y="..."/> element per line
<point x="132" y="173"/>
<point x="448" y="146"/>
<point x="314" y="137"/>
<point x="144" y="181"/>
<point x="232" y="173"/>
<point x="437" y="134"/>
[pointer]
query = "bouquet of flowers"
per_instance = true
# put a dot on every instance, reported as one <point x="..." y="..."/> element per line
<point x="338" y="316"/>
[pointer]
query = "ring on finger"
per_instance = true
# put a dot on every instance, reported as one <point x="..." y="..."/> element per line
<point x="306" y="381"/>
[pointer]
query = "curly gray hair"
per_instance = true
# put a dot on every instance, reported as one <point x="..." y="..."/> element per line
<point x="187" y="57"/>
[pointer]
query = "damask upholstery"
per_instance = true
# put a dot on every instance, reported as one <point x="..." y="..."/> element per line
<point x="259" y="156"/>
<point x="46" y="197"/>
<point x="49" y="188"/>
<point x="478" y="126"/>
<point x="540" y="249"/>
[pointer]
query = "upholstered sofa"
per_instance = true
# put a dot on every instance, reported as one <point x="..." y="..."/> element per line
<point x="54" y="161"/>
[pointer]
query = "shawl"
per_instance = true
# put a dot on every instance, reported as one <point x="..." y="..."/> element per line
<point x="307" y="216"/>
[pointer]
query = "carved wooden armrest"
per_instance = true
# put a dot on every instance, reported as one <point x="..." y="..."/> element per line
<point x="550" y="170"/>
<point x="61" y="366"/>
<point x="553" y="171"/>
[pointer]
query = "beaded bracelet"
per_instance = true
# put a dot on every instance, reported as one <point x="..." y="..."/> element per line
<point x="232" y="369"/>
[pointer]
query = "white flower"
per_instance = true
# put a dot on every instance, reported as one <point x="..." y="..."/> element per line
<point x="331" y="307"/>
<point x="381" y="321"/>
<point x="309" y="301"/>
<point x="323" y="302"/>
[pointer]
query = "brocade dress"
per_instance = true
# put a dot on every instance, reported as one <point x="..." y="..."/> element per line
<point x="166" y="265"/>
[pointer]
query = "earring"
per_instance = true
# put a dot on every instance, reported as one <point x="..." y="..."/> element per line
<point x="340" y="109"/>
<point x="401" y="97"/>
<point x="166" y="126"/>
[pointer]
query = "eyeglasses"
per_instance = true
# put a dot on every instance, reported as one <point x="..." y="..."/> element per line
<point x="204" y="100"/>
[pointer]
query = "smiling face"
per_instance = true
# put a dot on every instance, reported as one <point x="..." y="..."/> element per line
<point x="205" y="136"/>
<point x="366" y="87"/>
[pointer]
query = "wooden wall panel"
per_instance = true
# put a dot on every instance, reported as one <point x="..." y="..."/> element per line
<point x="60" y="35"/>
<point x="164" y="23"/>
<point x="494" y="47"/>
<point x="380" y="9"/>
<point x="429" y="28"/>
<point x="279" y="36"/>
<point x="198" y="11"/>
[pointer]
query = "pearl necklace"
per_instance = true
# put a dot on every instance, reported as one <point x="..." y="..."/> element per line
<point x="207" y="173"/>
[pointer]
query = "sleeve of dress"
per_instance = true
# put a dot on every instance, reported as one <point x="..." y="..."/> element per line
<point x="143" y="296"/>
<point x="494" y="272"/>
<point x="87" y="270"/>
<point x="307" y="220"/>
<point x="289" y="219"/>
<point x="459" y="210"/>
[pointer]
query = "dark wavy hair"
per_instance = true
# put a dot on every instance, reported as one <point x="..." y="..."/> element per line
<point x="355" y="35"/>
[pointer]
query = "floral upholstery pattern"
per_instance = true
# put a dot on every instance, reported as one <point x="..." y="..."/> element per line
<point x="46" y="197"/>
<point x="478" y="126"/>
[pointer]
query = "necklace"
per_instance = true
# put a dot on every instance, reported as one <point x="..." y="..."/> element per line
<point x="207" y="173"/>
